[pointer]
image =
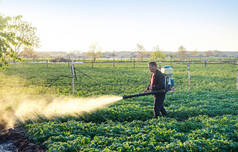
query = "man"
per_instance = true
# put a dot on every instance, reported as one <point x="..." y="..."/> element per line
<point x="157" y="83"/>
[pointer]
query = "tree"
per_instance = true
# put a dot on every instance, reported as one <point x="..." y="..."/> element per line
<point x="195" y="53"/>
<point x="24" y="31"/>
<point x="157" y="54"/>
<point x="94" y="51"/>
<point x="10" y="39"/>
<point x="141" y="51"/>
<point x="182" y="52"/>
<point x="29" y="53"/>
<point x="113" y="54"/>
<point x="208" y="53"/>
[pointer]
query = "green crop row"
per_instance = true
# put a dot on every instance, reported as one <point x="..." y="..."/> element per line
<point x="202" y="119"/>
<point x="200" y="133"/>
<point x="106" y="80"/>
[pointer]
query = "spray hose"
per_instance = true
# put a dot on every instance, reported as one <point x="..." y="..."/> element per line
<point x="143" y="94"/>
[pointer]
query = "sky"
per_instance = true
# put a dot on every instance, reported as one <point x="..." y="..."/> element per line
<point x="67" y="25"/>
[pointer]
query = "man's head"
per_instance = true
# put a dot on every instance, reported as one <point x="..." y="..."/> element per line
<point x="152" y="67"/>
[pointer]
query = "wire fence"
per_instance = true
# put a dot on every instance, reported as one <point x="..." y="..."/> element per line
<point x="74" y="73"/>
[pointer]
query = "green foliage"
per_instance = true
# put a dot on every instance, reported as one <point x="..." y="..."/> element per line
<point x="202" y="119"/>
<point x="124" y="79"/>
<point x="141" y="52"/>
<point x="94" y="51"/>
<point x="182" y="52"/>
<point x="164" y="134"/>
<point x="157" y="54"/>
<point x="14" y="34"/>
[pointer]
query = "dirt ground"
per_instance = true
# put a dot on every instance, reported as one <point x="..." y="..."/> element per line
<point x="14" y="140"/>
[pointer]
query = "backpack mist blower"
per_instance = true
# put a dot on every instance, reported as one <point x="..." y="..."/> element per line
<point x="167" y="70"/>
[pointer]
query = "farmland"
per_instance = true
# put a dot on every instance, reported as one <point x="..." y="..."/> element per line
<point x="203" y="118"/>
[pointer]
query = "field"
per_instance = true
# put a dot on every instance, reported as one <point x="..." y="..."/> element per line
<point x="203" y="118"/>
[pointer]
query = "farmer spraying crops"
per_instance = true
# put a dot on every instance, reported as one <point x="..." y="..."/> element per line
<point x="160" y="83"/>
<point x="157" y="83"/>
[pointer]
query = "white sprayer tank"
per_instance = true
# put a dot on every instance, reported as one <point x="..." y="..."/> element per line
<point x="167" y="70"/>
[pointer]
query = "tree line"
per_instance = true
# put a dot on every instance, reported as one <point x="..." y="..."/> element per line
<point x="18" y="40"/>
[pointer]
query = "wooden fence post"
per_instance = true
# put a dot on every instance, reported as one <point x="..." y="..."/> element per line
<point x="189" y="78"/>
<point x="73" y="76"/>
<point x="237" y="76"/>
<point x="68" y="62"/>
<point x="134" y="63"/>
<point x="160" y="66"/>
<point x="92" y="64"/>
<point x="113" y="62"/>
<point x="205" y="63"/>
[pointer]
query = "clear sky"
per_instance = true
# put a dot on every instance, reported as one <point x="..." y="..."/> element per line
<point x="66" y="25"/>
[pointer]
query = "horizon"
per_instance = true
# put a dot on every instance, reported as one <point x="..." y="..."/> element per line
<point x="66" y="26"/>
<point x="134" y="51"/>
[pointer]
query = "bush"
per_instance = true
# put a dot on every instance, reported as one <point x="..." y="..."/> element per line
<point x="60" y="59"/>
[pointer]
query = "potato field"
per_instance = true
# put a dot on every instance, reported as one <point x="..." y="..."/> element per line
<point x="202" y="118"/>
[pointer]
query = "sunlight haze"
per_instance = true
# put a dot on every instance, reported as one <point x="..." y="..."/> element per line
<point x="67" y="25"/>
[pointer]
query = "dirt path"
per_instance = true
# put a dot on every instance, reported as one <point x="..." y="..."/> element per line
<point x="14" y="140"/>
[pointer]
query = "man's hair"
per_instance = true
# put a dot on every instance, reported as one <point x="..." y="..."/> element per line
<point x="153" y="64"/>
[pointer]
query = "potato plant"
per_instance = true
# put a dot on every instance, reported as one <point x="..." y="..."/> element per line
<point x="202" y="119"/>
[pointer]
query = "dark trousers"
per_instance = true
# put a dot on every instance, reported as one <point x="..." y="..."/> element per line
<point x="159" y="105"/>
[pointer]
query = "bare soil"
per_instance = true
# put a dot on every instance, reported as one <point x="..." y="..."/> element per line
<point x="15" y="140"/>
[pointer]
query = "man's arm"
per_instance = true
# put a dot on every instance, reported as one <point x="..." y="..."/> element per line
<point x="148" y="88"/>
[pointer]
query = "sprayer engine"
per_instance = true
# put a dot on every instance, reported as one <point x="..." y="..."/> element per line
<point x="167" y="70"/>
